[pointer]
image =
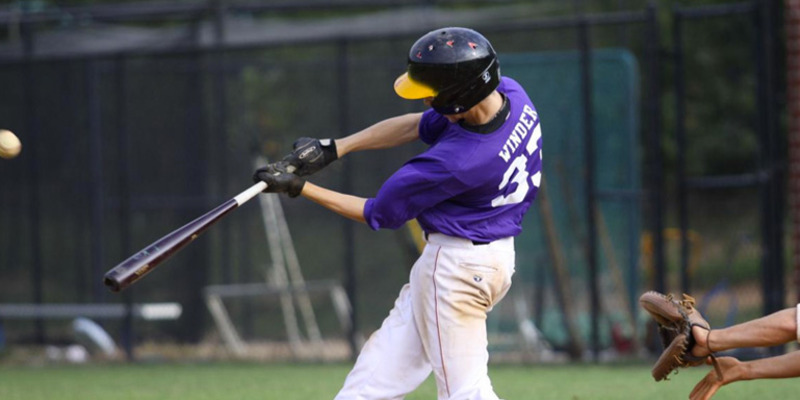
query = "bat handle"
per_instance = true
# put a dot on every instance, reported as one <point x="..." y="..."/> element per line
<point x="248" y="194"/>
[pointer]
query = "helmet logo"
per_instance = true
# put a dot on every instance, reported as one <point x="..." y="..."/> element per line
<point x="419" y="54"/>
<point x="430" y="47"/>
<point x="450" y="43"/>
<point x="473" y="45"/>
<point x="486" y="77"/>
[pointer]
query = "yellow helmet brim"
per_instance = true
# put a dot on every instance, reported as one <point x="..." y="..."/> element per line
<point x="408" y="88"/>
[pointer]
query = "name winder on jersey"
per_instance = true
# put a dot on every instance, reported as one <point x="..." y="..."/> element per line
<point x="517" y="171"/>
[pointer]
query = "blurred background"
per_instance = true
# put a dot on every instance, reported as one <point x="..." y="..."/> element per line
<point x="668" y="167"/>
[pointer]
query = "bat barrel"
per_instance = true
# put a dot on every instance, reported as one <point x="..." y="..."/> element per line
<point x="143" y="262"/>
<point x="112" y="281"/>
<point x="136" y="267"/>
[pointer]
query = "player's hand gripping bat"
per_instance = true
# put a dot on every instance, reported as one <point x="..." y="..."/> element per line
<point x="143" y="262"/>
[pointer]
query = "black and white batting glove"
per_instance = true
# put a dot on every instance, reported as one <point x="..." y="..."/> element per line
<point x="311" y="155"/>
<point x="279" y="180"/>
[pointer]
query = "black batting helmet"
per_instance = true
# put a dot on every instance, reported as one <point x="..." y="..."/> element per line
<point x="456" y="66"/>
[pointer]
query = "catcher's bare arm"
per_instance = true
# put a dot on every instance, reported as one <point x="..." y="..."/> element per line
<point x="784" y="366"/>
<point x="772" y="330"/>
<point x="733" y="370"/>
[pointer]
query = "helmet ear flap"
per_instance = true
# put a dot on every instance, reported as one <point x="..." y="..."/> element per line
<point x="460" y="98"/>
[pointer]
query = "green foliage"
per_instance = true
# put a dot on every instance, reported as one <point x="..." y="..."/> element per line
<point x="720" y="77"/>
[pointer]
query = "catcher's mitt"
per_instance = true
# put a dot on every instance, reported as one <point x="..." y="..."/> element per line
<point x="675" y="319"/>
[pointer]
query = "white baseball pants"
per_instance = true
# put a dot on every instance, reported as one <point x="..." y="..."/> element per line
<point x="438" y="324"/>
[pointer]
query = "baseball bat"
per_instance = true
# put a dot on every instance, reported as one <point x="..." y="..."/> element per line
<point x="145" y="261"/>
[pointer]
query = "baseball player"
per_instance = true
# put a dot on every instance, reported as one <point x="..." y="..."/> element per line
<point x="469" y="191"/>
<point x="775" y="329"/>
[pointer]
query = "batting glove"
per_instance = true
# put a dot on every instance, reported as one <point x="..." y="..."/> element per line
<point x="311" y="155"/>
<point x="279" y="180"/>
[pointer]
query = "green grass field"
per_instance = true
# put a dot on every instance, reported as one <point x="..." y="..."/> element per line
<point x="317" y="381"/>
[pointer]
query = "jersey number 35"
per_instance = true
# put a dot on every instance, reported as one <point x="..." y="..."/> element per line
<point x="517" y="172"/>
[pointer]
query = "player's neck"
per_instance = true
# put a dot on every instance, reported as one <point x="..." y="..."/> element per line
<point x="483" y="112"/>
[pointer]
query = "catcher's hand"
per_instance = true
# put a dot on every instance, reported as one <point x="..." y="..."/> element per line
<point x="732" y="371"/>
<point x="675" y="319"/>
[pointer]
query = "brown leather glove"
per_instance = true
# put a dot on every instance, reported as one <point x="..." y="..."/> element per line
<point x="675" y="319"/>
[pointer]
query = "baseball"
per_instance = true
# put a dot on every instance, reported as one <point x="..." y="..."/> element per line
<point x="10" y="146"/>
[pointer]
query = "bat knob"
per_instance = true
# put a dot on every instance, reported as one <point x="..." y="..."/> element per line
<point x="111" y="281"/>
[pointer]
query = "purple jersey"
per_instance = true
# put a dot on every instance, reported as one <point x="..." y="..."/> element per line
<point x="469" y="185"/>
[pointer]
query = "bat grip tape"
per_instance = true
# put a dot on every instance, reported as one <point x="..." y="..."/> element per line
<point x="251" y="192"/>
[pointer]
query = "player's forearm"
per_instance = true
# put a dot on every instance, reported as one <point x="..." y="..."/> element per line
<point x="771" y="330"/>
<point x="345" y="205"/>
<point x="784" y="366"/>
<point x="388" y="133"/>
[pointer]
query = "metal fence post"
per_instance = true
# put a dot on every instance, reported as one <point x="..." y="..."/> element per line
<point x="124" y="210"/>
<point x="95" y="173"/>
<point x="591" y="201"/>
<point x="680" y="137"/>
<point x="656" y="193"/>
<point x="770" y="185"/>
<point x="32" y="128"/>
<point x="351" y="280"/>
